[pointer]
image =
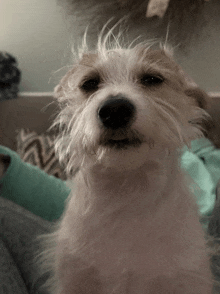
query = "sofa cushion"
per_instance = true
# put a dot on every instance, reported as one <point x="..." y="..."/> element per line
<point x="33" y="112"/>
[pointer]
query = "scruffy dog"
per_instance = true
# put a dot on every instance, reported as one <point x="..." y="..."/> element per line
<point x="131" y="225"/>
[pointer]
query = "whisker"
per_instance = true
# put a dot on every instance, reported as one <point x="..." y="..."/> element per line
<point x="174" y="121"/>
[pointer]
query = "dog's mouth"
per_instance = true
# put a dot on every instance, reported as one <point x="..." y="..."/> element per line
<point x="121" y="141"/>
<point x="123" y="144"/>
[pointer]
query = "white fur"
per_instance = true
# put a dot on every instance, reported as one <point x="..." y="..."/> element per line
<point x="131" y="225"/>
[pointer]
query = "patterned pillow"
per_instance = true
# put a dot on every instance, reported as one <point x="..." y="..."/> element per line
<point x="39" y="151"/>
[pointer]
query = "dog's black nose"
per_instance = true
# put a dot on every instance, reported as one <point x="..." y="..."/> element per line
<point x="116" y="112"/>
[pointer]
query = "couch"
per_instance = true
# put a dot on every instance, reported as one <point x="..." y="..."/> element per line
<point x="32" y="111"/>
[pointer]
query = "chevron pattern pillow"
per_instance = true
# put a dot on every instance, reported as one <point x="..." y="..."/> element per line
<point x="39" y="151"/>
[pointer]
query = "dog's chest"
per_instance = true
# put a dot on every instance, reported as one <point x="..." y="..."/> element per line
<point x="134" y="252"/>
<point x="131" y="248"/>
<point x="130" y="256"/>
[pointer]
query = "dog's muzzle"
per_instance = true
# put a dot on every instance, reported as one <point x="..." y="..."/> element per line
<point x="116" y="112"/>
<point x="116" y="115"/>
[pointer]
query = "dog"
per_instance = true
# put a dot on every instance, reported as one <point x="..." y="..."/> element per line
<point x="131" y="225"/>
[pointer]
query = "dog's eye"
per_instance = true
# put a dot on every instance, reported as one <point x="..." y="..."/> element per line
<point x="90" y="85"/>
<point x="150" y="80"/>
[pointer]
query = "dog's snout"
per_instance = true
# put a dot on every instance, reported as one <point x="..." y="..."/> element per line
<point x="116" y="112"/>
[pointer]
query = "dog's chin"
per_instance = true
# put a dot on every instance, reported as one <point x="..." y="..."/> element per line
<point x="122" y="155"/>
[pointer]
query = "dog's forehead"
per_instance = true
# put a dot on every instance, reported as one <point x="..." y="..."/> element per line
<point x="129" y="59"/>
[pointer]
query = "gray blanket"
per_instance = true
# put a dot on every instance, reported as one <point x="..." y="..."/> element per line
<point x="18" y="247"/>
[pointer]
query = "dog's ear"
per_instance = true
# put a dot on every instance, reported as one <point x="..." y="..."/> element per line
<point x="63" y="84"/>
<point x="88" y="59"/>
<point x="192" y="89"/>
<point x="203" y="100"/>
<point x="201" y="97"/>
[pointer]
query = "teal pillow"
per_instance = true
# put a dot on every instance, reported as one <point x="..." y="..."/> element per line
<point x="32" y="188"/>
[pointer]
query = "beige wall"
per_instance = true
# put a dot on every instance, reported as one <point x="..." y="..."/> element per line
<point x="35" y="32"/>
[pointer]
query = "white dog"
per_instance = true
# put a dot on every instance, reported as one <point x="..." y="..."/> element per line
<point x="131" y="225"/>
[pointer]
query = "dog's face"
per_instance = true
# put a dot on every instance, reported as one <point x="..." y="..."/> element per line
<point x="125" y="106"/>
